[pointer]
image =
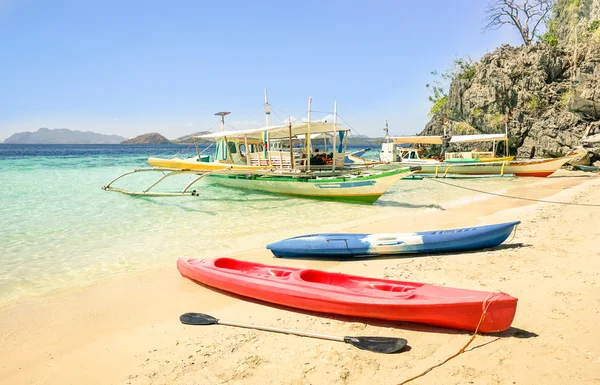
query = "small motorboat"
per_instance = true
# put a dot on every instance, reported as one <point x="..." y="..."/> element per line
<point x="351" y="295"/>
<point x="366" y="245"/>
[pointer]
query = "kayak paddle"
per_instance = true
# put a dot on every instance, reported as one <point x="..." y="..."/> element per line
<point x="385" y="345"/>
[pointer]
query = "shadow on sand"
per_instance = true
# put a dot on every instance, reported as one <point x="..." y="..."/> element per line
<point x="386" y="203"/>
<point x="416" y="327"/>
<point x="507" y="246"/>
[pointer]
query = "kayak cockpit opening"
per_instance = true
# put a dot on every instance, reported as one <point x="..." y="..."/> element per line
<point x="250" y="268"/>
<point x="279" y="272"/>
<point x="392" y="288"/>
<point x="353" y="283"/>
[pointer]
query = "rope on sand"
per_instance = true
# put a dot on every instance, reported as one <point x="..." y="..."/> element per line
<point x="514" y="197"/>
<point x="485" y="305"/>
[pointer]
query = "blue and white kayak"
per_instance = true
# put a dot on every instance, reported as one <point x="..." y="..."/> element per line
<point x="363" y="245"/>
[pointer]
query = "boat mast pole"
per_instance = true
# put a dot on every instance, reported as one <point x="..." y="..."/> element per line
<point x="292" y="161"/>
<point x="506" y="134"/>
<point x="387" y="141"/>
<point x="222" y="115"/>
<point x="197" y="149"/>
<point x="247" y="150"/>
<point x="334" y="132"/>
<point x="268" y="119"/>
<point x="267" y="108"/>
<point x="308" y="145"/>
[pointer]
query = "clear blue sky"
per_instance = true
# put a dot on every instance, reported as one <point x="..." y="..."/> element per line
<point x="130" y="67"/>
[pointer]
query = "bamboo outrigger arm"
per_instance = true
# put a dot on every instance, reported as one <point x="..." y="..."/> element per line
<point x="167" y="172"/>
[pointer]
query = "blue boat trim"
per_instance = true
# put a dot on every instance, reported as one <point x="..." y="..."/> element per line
<point x="346" y="184"/>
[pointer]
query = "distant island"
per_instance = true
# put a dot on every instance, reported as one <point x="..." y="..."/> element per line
<point x="151" y="138"/>
<point x="156" y="138"/>
<point x="62" y="136"/>
<point x="66" y="136"/>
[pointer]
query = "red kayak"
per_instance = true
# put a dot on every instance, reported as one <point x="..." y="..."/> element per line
<point x="351" y="295"/>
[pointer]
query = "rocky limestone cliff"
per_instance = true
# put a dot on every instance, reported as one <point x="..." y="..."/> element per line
<point x="151" y="138"/>
<point x="549" y="94"/>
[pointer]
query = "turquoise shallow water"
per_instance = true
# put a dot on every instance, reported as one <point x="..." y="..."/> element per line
<point x="60" y="229"/>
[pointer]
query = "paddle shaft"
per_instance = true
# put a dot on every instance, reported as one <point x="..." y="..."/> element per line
<point x="280" y="330"/>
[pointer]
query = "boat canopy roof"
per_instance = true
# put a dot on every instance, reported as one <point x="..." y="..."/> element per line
<point x="477" y="138"/>
<point x="275" y="132"/>
<point x="322" y="135"/>
<point x="454" y="139"/>
<point x="417" y="139"/>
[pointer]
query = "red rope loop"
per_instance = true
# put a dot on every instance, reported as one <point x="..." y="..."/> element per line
<point x="485" y="305"/>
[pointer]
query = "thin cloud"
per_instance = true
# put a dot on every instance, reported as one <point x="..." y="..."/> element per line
<point x="239" y="122"/>
<point x="289" y="120"/>
<point x="327" y="118"/>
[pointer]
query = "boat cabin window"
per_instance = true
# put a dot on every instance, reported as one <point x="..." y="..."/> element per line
<point x="242" y="149"/>
<point x="255" y="148"/>
<point x="410" y="155"/>
<point x="232" y="147"/>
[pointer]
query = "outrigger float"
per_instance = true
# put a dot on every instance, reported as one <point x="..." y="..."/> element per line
<point x="268" y="159"/>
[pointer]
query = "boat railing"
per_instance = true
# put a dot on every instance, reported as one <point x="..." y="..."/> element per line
<point x="469" y="155"/>
<point x="283" y="160"/>
<point x="443" y="170"/>
<point x="280" y="159"/>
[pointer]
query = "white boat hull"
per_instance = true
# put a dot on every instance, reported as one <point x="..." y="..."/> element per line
<point x="534" y="167"/>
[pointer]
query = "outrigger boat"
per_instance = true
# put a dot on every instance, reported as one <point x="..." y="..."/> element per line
<point x="472" y="163"/>
<point x="392" y="150"/>
<point x="265" y="159"/>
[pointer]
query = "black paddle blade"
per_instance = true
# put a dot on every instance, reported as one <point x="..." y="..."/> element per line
<point x="385" y="345"/>
<point x="197" y="319"/>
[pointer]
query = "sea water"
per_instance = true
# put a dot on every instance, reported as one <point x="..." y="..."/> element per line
<point x="59" y="229"/>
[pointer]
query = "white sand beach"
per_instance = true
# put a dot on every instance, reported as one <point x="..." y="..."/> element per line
<point x="127" y="330"/>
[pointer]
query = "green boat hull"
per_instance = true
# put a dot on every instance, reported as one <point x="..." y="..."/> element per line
<point x="365" y="188"/>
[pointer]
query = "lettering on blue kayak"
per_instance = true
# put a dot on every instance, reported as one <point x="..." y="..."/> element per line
<point x="346" y="184"/>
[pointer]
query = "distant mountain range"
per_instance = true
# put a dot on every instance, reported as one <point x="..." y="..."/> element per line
<point x="66" y="136"/>
<point x="62" y="136"/>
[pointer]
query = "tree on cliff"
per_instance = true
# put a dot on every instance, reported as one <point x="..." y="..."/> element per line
<point x="519" y="14"/>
